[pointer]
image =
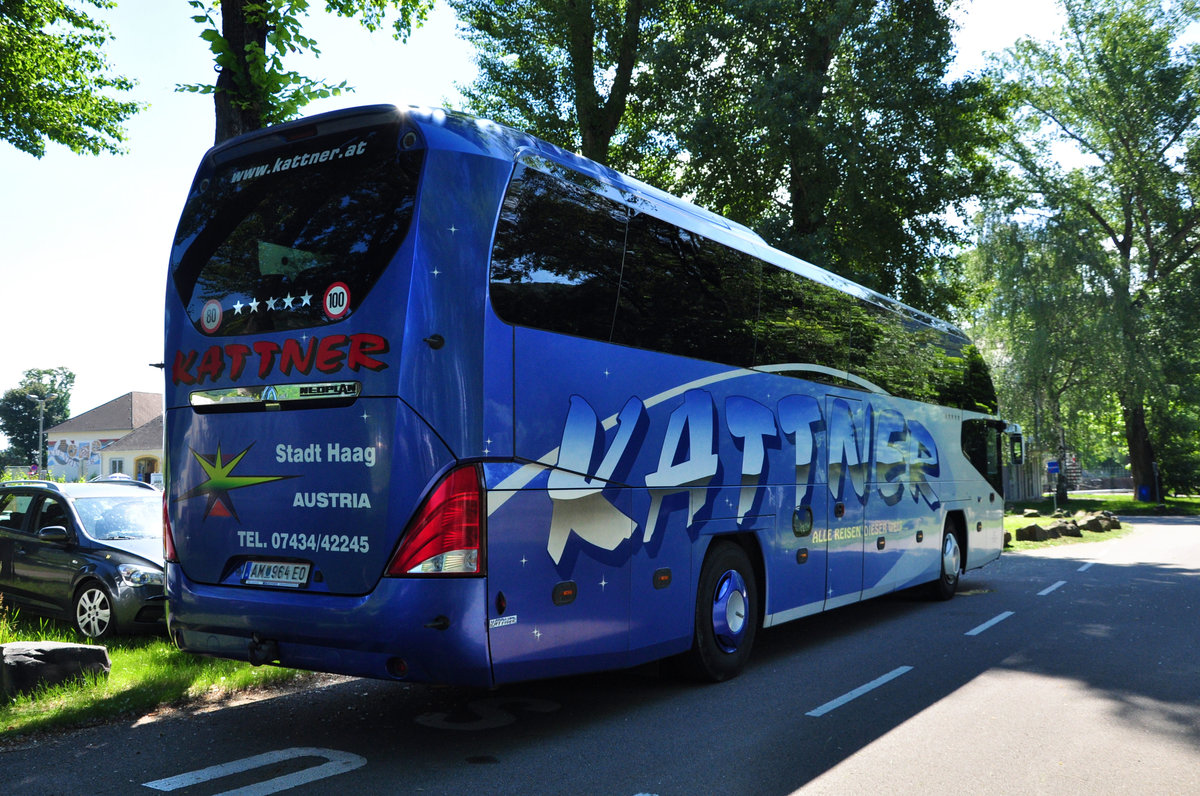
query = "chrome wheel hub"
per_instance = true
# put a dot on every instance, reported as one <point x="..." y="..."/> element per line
<point x="729" y="610"/>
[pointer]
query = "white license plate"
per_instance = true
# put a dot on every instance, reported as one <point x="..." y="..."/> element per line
<point x="275" y="573"/>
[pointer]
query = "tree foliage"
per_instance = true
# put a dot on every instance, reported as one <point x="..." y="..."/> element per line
<point x="828" y="125"/>
<point x="249" y="40"/>
<point x="1042" y="311"/>
<point x="831" y="127"/>
<point x="19" y="414"/>
<point x="572" y="72"/>
<point x="1106" y="134"/>
<point x="55" y="83"/>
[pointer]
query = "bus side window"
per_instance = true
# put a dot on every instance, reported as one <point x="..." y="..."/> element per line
<point x="556" y="263"/>
<point x="802" y="322"/>
<point x="684" y="294"/>
<point x="981" y="445"/>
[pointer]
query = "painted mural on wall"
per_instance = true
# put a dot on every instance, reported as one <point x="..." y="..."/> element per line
<point x="75" y="459"/>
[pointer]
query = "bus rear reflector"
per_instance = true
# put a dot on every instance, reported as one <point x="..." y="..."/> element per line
<point x="446" y="535"/>
<point x="168" y="537"/>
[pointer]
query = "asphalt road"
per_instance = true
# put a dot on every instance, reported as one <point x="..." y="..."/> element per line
<point x="1073" y="670"/>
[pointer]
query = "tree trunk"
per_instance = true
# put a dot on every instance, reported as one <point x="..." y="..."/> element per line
<point x="1141" y="452"/>
<point x="599" y="118"/>
<point x="239" y="108"/>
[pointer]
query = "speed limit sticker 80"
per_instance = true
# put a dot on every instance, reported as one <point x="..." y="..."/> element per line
<point x="210" y="316"/>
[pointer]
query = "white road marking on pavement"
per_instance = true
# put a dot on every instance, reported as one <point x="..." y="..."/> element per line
<point x="993" y="621"/>
<point x="1086" y="567"/>
<point x="339" y="763"/>
<point x="1049" y="589"/>
<point x="856" y="693"/>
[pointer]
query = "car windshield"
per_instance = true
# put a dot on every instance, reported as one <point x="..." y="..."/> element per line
<point x="121" y="517"/>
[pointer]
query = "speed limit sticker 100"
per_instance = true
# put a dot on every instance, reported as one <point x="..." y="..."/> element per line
<point x="337" y="301"/>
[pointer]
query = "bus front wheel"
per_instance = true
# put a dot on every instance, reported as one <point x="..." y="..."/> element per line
<point x="726" y="615"/>
<point x="951" y="564"/>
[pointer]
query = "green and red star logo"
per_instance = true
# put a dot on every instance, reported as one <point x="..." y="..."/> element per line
<point x="221" y="481"/>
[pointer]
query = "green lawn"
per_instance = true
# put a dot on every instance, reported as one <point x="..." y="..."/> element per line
<point x="147" y="671"/>
<point x="1122" y="504"/>
<point x="1117" y="504"/>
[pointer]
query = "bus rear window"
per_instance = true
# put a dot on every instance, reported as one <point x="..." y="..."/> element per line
<point x="295" y="236"/>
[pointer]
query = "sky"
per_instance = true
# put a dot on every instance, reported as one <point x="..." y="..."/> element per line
<point x="84" y="240"/>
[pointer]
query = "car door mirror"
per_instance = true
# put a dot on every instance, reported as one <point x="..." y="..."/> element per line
<point x="55" y="534"/>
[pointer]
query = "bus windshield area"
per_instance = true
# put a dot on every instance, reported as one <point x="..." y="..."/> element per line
<point x="294" y="237"/>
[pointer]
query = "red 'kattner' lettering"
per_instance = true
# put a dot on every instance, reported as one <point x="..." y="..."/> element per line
<point x="325" y="355"/>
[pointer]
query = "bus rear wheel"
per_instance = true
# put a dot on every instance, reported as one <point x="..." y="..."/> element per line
<point x="951" y="564"/>
<point x="726" y="615"/>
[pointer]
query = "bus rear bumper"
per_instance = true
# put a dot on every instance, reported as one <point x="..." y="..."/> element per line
<point x="416" y="630"/>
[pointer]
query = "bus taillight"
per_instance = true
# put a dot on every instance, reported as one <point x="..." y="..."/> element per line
<point x="446" y="535"/>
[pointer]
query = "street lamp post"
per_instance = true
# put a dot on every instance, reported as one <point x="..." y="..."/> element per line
<point x="41" y="402"/>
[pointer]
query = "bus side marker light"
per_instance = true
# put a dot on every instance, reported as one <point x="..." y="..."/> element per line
<point x="978" y="527"/>
<point x="802" y="555"/>
<point x="881" y="543"/>
<point x="662" y="578"/>
<point x="565" y="592"/>
<point x="501" y="603"/>
<point x="920" y="536"/>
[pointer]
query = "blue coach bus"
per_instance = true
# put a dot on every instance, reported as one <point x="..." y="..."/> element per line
<point x="446" y="403"/>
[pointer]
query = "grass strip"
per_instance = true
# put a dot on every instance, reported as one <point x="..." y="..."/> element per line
<point x="147" y="672"/>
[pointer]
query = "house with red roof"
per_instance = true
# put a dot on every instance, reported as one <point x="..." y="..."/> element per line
<point x="124" y="435"/>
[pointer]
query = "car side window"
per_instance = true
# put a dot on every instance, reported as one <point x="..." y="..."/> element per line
<point x="52" y="512"/>
<point x="13" y="508"/>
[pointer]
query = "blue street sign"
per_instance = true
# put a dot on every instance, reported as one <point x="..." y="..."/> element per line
<point x="1052" y="467"/>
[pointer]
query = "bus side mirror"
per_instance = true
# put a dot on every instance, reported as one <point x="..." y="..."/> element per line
<point x="1018" y="448"/>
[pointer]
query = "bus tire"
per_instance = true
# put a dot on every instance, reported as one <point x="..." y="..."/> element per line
<point x="951" y="565"/>
<point x="726" y="615"/>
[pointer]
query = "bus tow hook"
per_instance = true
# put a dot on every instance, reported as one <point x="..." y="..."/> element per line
<point x="263" y="652"/>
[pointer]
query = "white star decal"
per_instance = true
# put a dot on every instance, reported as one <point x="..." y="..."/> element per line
<point x="603" y="582"/>
<point x="453" y="229"/>
<point x="436" y="272"/>
<point x="237" y="308"/>
<point x="271" y="303"/>
<point x="254" y="305"/>
<point x="306" y="299"/>
<point x="365" y="415"/>
<point x="288" y="301"/>
<point x="524" y="561"/>
<point x="537" y="634"/>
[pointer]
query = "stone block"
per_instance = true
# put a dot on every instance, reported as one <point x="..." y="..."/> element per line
<point x="1032" y="533"/>
<point x="27" y="665"/>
